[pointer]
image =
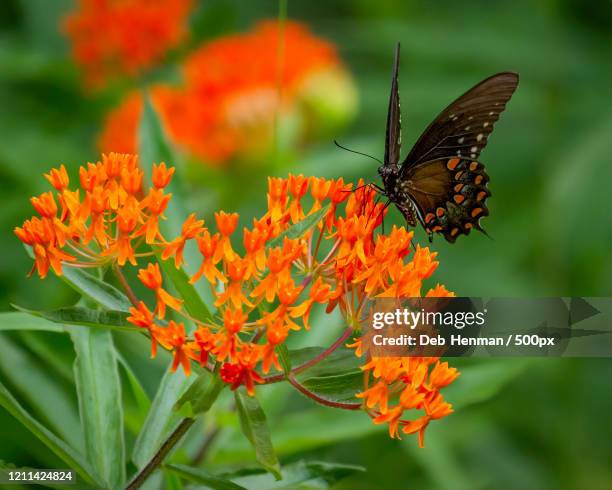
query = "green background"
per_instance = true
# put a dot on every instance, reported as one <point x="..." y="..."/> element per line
<point x="537" y="424"/>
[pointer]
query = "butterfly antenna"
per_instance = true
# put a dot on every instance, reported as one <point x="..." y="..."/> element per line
<point x="358" y="152"/>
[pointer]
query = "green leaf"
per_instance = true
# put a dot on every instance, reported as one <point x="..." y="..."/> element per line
<point x="60" y="448"/>
<point x="99" y="391"/>
<point x="338" y="388"/>
<point x="138" y="415"/>
<point x="153" y="147"/>
<point x="161" y="418"/>
<point x="342" y="360"/>
<point x="337" y="378"/>
<point x="35" y="383"/>
<point x="303" y="475"/>
<point x="255" y="428"/>
<point x="152" y="142"/>
<point x="198" y="475"/>
<point x="202" y="393"/>
<point x="301" y="227"/>
<point x="193" y="302"/>
<point x="80" y="315"/>
<point x="96" y="290"/>
<point x="283" y="356"/>
<point x="25" y="321"/>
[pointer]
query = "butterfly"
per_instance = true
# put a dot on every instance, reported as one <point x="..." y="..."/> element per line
<point x="441" y="182"/>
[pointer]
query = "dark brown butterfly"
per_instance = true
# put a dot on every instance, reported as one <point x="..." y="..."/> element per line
<point x="442" y="183"/>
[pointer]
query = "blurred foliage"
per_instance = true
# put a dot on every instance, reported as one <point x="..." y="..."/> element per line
<point x="544" y="425"/>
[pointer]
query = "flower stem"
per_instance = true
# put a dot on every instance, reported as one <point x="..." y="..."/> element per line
<point x="161" y="453"/>
<point x="128" y="290"/>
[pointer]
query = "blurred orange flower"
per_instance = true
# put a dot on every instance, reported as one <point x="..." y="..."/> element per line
<point x="230" y="94"/>
<point x="118" y="38"/>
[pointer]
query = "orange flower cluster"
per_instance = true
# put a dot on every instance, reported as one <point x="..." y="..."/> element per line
<point x="264" y="288"/>
<point x="414" y="384"/>
<point x="229" y="97"/>
<point x="113" y="38"/>
<point x="102" y="222"/>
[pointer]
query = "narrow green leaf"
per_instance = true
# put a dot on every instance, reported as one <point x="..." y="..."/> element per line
<point x="152" y="142"/>
<point x="80" y="315"/>
<point x="201" y="394"/>
<point x="337" y="378"/>
<point x="96" y="290"/>
<point x="342" y="360"/>
<point x="25" y="321"/>
<point x="60" y="448"/>
<point x="141" y="399"/>
<point x="301" y="227"/>
<point x="99" y="391"/>
<point x="303" y="474"/>
<point x="153" y="147"/>
<point x="172" y="481"/>
<point x="193" y="302"/>
<point x="161" y="418"/>
<point x="198" y="475"/>
<point x="36" y="384"/>
<point x="283" y="356"/>
<point x="255" y="428"/>
<point x="338" y="388"/>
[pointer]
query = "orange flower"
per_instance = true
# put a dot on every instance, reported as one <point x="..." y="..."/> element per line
<point x="192" y="227"/>
<point x="151" y="278"/>
<point x="229" y="98"/>
<point x="112" y="38"/>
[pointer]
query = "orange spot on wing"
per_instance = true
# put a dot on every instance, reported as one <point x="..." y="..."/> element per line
<point x="473" y="166"/>
<point x="429" y="217"/>
<point x="452" y="163"/>
<point x="458" y="175"/>
<point x="481" y="195"/>
<point x="476" y="212"/>
<point x="458" y="187"/>
<point x="440" y="212"/>
<point x="454" y="231"/>
<point x="458" y="198"/>
<point x="468" y="226"/>
<point x="436" y="228"/>
<point x="478" y="179"/>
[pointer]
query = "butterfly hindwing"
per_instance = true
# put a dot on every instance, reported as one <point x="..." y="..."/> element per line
<point x="450" y="195"/>
<point x="463" y="128"/>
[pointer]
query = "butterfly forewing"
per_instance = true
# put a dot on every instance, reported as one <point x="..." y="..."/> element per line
<point x="463" y="128"/>
<point x="394" y="136"/>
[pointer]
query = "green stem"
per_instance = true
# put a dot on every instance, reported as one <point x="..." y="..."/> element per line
<point x="201" y="405"/>
<point x="161" y="453"/>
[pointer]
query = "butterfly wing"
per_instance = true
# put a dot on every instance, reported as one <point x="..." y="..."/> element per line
<point x="449" y="194"/>
<point x="442" y="174"/>
<point x="393" y="140"/>
<point x="463" y="128"/>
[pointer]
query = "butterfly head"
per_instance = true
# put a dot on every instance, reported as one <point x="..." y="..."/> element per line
<point x="387" y="170"/>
